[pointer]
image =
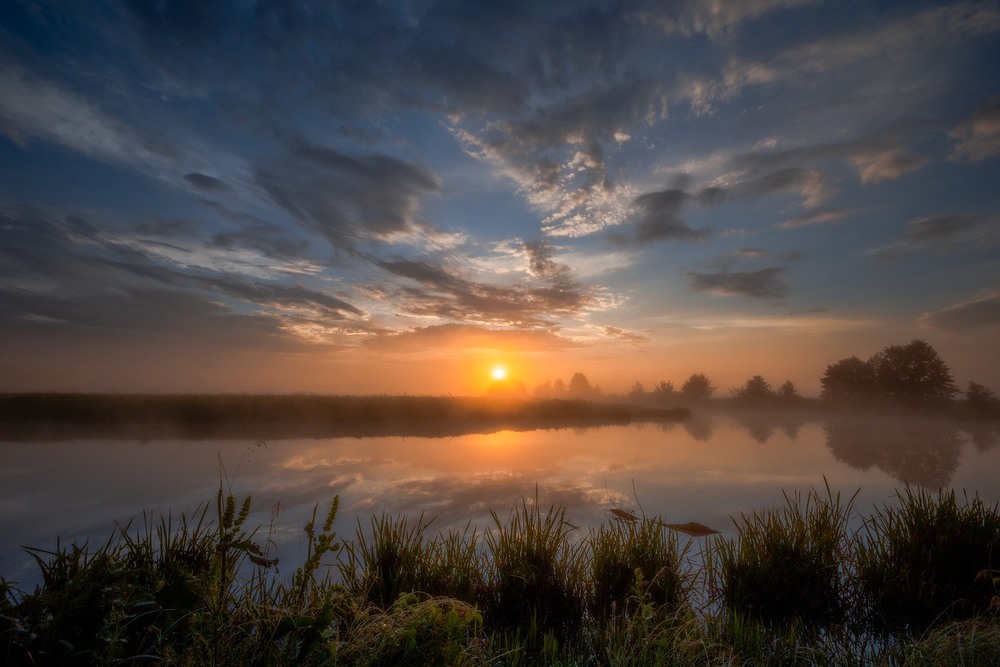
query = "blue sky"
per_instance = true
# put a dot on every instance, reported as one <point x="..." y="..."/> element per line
<point x="362" y="197"/>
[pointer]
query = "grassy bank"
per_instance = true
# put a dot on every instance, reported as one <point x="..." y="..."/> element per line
<point x="917" y="584"/>
<point x="59" y="416"/>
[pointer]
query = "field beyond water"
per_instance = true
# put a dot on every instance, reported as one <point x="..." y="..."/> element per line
<point x="25" y="417"/>
<point x="917" y="584"/>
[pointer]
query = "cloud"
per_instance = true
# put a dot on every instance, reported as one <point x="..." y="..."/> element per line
<point x="540" y="260"/>
<point x="87" y="276"/>
<point x="944" y="234"/>
<point x="34" y="109"/>
<point x="880" y="164"/>
<point x="347" y="199"/>
<point x="822" y="217"/>
<point x="982" y="312"/>
<point x="659" y="218"/>
<point x="625" y="336"/>
<point x="444" y="294"/>
<point x="978" y="138"/>
<point x="205" y="182"/>
<point x="885" y="45"/>
<point x="693" y="17"/>
<point x="808" y="183"/>
<point x="761" y="284"/>
<point x="452" y="336"/>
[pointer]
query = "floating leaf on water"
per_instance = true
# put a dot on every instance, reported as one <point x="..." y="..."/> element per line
<point x="623" y="515"/>
<point x="692" y="528"/>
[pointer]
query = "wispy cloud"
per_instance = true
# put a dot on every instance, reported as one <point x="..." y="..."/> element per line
<point x="978" y="137"/>
<point x="944" y="234"/>
<point x="465" y="336"/>
<point x="34" y="109"/>
<point x="979" y="313"/>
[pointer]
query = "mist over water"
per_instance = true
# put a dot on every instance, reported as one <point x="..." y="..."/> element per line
<point x="708" y="469"/>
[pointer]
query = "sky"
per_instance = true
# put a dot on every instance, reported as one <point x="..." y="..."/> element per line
<point x="395" y="197"/>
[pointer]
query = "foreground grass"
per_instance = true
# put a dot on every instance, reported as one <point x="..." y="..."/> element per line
<point x="793" y="587"/>
<point x="55" y="416"/>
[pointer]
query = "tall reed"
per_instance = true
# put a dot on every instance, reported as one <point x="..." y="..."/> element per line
<point x="625" y="555"/>
<point x="535" y="583"/>
<point x="928" y="560"/>
<point x="787" y="565"/>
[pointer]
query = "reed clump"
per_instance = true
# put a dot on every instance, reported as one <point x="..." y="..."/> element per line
<point x="917" y="584"/>
<point x="787" y="565"/>
<point x="931" y="559"/>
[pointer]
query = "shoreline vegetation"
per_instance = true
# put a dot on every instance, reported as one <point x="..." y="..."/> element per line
<point x="918" y="583"/>
<point x="59" y="416"/>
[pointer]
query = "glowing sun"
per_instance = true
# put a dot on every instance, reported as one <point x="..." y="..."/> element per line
<point x="498" y="373"/>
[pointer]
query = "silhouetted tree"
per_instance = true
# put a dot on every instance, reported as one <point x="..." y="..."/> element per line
<point x="697" y="387"/>
<point x="788" y="392"/>
<point x="848" y="379"/>
<point x="579" y="387"/>
<point x="544" y="390"/>
<point x="981" y="400"/>
<point x="637" y="393"/>
<point x="756" y="389"/>
<point x="913" y="374"/>
<point x="664" y="392"/>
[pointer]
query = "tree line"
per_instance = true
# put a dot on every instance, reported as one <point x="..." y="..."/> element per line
<point x="911" y="375"/>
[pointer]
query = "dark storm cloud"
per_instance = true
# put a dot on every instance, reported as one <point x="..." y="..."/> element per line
<point x="441" y="293"/>
<point x="206" y="182"/>
<point x="944" y="234"/>
<point x="979" y="313"/>
<point x="761" y="284"/>
<point x="347" y="199"/>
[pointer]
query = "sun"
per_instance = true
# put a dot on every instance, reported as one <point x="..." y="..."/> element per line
<point x="499" y="373"/>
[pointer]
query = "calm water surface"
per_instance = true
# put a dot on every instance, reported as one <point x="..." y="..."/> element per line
<point x="707" y="470"/>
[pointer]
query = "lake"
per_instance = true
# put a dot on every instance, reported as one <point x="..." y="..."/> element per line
<point x="708" y="469"/>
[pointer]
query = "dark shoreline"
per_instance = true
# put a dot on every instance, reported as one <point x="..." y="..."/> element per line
<point x="37" y="417"/>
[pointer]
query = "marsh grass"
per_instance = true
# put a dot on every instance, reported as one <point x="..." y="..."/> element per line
<point x="786" y="565"/>
<point x="203" y="589"/>
<point x="928" y="560"/>
<point x="535" y="582"/>
<point x="633" y="563"/>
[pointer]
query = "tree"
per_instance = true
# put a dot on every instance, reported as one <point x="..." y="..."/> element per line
<point x="579" y="386"/>
<point x="913" y="374"/>
<point x="788" y="392"/>
<point x="755" y="389"/>
<point x="664" y="391"/>
<point x="981" y="399"/>
<point x="637" y="393"/>
<point x="848" y="379"/>
<point x="697" y="387"/>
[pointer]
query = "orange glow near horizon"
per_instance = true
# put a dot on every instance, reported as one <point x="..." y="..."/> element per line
<point x="499" y="372"/>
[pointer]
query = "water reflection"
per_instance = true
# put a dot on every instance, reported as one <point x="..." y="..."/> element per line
<point x="707" y="470"/>
<point x="913" y="450"/>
